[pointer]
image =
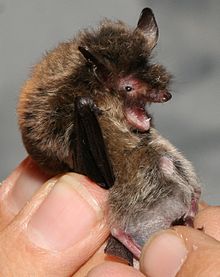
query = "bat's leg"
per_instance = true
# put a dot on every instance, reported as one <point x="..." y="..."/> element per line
<point x="91" y="159"/>
<point x="90" y="156"/>
<point x="115" y="248"/>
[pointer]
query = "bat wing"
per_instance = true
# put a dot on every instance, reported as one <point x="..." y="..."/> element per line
<point x="91" y="159"/>
<point x="115" y="248"/>
<point x="90" y="156"/>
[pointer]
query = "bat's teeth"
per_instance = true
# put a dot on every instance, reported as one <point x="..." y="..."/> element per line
<point x="137" y="118"/>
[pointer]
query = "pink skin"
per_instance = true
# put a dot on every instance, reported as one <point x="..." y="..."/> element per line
<point x="194" y="206"/>
<point x="127" y="241"/>
<point x="166" y="165"/>
<point x="137" y="93"/>
<point x="140" y="90"/>
<point x="137" y="118"/>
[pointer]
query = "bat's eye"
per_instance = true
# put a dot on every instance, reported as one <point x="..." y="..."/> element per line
<point x="128" y="88"/>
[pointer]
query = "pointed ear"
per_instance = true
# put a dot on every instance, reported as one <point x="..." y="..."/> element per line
<point x="101" y="67"/>
<point x="148" y="26"/>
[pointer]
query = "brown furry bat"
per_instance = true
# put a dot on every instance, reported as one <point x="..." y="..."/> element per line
<point x="84" y="110"/>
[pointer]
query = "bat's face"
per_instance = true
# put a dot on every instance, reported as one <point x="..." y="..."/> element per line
<point x="136" y="94"/>
<point x="120" y="60"/>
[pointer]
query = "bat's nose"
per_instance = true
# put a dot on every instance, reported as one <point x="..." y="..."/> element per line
<point x="166" y="96"/>
<point x="159" y="96"/>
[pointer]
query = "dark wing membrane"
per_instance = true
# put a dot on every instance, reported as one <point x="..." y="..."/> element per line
<point x="89" y="152"/>
<point x="116" y="248"/>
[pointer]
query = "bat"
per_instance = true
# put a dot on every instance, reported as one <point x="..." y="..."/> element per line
<point x="85" y="109"/>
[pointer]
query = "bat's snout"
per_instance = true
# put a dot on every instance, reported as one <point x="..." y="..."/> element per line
<point x="159" y="96"/>
<point x="166" y="96"/>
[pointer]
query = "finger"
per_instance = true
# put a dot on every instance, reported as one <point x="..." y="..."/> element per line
<point x="209" y="215"/>
<point x="18" y="188"/>
<point x="181" y="252"/>
<point x="202" y="205"/>
<point x="97" y="259"/>
<point x="114" y="269"/>
<point x="208" y="220"/>
<point x="58" y="230"/>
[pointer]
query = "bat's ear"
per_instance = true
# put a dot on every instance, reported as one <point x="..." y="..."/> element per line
<point x="148" y="25"/>
<point x="101" y="66"/>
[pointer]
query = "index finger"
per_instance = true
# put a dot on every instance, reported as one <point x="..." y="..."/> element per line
<point x="202" y="205"/>
<point x="208" y="220"/>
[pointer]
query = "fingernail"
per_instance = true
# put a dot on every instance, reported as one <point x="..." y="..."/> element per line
<point x="26" y="179"/>
<point x="66" y="216"/>
<point x="163" y="255"/>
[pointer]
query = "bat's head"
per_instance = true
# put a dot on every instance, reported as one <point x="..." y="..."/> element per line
<point x="119" y="59"/>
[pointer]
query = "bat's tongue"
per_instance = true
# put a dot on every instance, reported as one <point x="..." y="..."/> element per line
<point x="137" y="118"/>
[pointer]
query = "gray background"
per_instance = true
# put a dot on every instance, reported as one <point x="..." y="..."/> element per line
<point x="189" y="46"/>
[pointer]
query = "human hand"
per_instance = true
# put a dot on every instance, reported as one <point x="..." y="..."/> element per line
<point x="40" y="241"/>
<point x="49" y="228"/>
<point x="180" y="251"/>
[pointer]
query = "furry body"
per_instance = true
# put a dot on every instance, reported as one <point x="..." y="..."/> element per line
<point x="154" y="184"/>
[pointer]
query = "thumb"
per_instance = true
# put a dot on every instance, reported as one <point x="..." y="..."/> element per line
<point x="57" y="230"/>
<point x="181" y="251"/>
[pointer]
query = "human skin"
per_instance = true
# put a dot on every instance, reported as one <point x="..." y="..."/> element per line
<point x="57" y="227"/>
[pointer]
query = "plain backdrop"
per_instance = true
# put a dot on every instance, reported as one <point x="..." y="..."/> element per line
<point x="189" y="47"/>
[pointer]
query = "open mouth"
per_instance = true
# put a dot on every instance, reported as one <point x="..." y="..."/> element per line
<point x="135" y="107"/>
<point x="137" y="115"/>
<point x="137" y="118"/>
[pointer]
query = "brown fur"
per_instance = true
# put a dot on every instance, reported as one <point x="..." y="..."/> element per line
<point x="143" y="190"/>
